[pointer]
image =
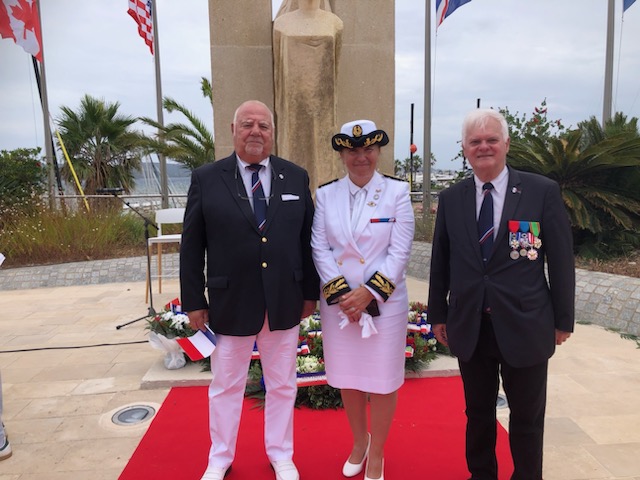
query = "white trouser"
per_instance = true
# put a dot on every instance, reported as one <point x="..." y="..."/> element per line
<point x="229" y="366"/>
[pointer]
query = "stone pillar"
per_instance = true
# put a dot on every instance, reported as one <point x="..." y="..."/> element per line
<point x="366" y="74"/>
<point x="242" y="64"/>
<point x="241" y="61"/>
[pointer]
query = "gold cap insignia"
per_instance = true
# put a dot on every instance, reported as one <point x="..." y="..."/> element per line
<point x="357" y="131"/>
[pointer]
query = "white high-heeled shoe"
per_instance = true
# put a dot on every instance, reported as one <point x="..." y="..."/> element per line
<point x="352" y="469"/>
<point x="381" y="477"/>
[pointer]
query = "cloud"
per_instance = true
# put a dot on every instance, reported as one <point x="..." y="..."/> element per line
<point x="505" y="53"/>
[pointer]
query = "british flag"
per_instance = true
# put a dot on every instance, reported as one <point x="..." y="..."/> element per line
<point x="140" y="11"/>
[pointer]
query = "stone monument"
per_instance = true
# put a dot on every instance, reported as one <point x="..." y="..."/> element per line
<point x="306" y="52"/>
<point x="242" y="65"/>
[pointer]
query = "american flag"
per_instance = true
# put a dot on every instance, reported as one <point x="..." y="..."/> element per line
<point x="140" y="10"/>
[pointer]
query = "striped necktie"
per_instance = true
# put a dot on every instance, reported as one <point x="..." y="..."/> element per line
<point x="485" y="222"/>
<point x="257" y="193"/>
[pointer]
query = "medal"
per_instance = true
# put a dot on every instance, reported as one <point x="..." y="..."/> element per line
<point x="535" y="228"/>
<point x="524" y="239"/>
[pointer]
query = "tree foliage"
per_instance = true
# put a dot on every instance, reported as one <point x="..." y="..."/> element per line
<point x="23" y="181"/>
<point x="189" y="143"/>
<point x="538" y="125"/>
<point x="102" y="145"/>
<point x="598" y="169"/>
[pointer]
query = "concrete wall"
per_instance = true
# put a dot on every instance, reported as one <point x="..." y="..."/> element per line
<point x="241" y="61"/>
<point x="366" y="75"/>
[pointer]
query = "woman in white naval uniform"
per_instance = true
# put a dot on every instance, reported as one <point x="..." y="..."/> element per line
<point x="361" y="241"/>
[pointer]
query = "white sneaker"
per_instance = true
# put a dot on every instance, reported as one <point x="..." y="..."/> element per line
<point x="285" y="470"/>
<point x="5" y="450"/>
<point x="216" y="473"/>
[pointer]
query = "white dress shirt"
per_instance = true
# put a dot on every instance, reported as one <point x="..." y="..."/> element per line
<point x="498" y="194"/>
<point x="264" y="174"/>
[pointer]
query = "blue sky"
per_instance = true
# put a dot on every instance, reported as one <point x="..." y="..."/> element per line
<point x="512" y="53"/>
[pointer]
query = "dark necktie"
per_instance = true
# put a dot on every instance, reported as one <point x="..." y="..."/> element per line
<point x="259" y="200"/>
<point x="485" y="222"/>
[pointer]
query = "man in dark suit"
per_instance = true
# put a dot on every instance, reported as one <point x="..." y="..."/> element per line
<point x="251" y="215"/>
<point x="489" y="297"/>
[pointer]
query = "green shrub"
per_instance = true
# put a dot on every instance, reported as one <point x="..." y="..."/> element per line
<point x="45" y="236"/>
<point x="22" y="183"/>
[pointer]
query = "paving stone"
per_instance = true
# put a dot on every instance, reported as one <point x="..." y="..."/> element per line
<point x="602" y="299"/>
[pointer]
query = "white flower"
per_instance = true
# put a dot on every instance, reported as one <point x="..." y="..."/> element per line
<point x="308" y="364"/>
<point x="179" y="321"/>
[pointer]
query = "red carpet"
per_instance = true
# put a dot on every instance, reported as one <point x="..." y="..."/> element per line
<point x="426" y="439"/>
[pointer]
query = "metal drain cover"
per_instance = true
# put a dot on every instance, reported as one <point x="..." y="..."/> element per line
<point x="133" y="415"/>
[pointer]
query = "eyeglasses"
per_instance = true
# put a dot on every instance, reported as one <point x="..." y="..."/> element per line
<point x="243" y="196"/>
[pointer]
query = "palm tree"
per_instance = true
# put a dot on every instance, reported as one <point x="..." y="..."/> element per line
<point x="103" y="148"/>
<point x="593" y="131"/>
<point x="600" y="181"/>
<point x="190" y="144"/>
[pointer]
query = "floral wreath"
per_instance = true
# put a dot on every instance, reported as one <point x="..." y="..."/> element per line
<point x="313" y="391"/>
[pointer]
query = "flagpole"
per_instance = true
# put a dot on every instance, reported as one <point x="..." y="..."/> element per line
<point x="426" y="161"/>
<point x="164" y="190"/>
<point x="56" y="170"/>
<point x="608" y="65"/>
<point x="48" y="142"/>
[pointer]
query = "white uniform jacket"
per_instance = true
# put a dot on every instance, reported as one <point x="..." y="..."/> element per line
<point x="376" y="253"/>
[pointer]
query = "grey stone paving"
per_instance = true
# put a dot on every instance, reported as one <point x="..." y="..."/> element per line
<point x="611" y="301"/>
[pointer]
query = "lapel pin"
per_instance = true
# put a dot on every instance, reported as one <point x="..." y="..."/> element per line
<point x="281" y="176"/>
<point x="515" y="190"/>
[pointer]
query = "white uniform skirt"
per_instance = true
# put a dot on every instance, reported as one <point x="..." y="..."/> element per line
<point x="374" y="364"/>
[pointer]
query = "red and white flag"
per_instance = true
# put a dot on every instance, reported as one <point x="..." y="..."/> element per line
<point x="19" y="21"/>
<point x="140" y="11"/>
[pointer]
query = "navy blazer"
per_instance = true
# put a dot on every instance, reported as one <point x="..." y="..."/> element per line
<point x="248" y="272"/>
<point x="526" y="305"/>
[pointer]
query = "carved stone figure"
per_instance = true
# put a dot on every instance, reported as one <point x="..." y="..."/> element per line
<point x="307" y="38"/>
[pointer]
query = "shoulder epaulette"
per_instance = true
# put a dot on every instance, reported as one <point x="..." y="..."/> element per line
<point x="328" y="183"/>
<point x="394" y="178"/>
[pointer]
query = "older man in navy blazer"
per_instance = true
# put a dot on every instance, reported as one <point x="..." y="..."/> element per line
<point x="490" y="299"/>
<point x="250" y="215"/>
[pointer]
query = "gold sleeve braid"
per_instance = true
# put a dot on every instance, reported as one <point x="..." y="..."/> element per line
<point x="382" y="285"/>
<point x="334" y="289"/>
